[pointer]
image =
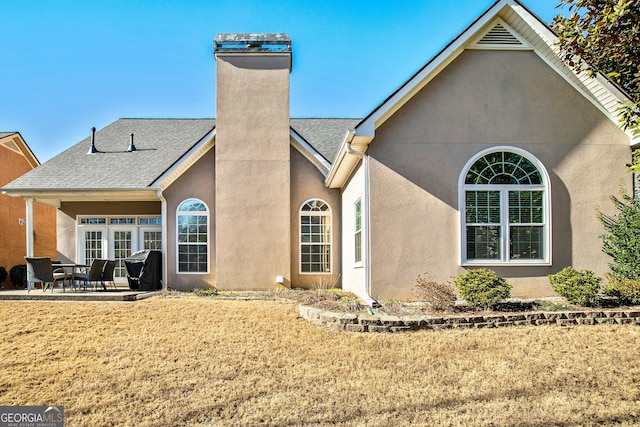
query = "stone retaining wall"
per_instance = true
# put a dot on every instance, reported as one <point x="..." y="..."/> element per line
<point x="368" y="323"/>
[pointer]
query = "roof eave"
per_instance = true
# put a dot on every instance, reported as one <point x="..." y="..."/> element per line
<point x="344" y="165"/>
<point x="55" y="197"/>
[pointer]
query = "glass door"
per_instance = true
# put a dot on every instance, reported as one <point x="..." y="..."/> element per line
<point x="122" y="244"/>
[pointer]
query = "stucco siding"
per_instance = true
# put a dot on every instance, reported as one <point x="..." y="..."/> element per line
<point x="353" y="274"/>
<point x="486" y="99"/>
<point x="252" y="170"/>
<point x="307" y="182"/>
<point x="198" y="182"/>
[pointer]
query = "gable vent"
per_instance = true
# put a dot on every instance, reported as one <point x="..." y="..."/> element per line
<point x="500" y="36"/>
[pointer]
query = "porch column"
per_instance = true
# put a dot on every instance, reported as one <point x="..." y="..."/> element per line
<point x="29" y="220"/>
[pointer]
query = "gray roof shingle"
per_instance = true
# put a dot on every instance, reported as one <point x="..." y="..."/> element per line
<point x="160" y="143"/>
<point x="325" y="135"/>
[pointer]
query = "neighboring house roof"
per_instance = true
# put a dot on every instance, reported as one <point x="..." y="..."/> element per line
<point x="14" y="142"/>
<point x="506" y="25"/>
<point x="162" y="146"/>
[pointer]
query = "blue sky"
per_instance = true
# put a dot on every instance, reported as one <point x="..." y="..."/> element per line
<point x="68" y="65"/>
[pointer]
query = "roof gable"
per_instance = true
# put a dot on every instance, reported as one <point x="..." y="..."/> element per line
<point x="507" y="25"/>
<point x="14" y="142"/>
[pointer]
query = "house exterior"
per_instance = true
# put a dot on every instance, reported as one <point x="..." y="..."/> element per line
<point x="18" y="159"/>
<point x="495" y="154"/>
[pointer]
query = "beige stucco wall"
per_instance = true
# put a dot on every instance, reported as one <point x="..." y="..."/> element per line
<point x="485" y="99"/>
<point x="307" y="182"/>
<point x="66" y="220"/>
<point x="197" y="182"/>
<point x="353" y="274"/>
<point x="252" y="170"/>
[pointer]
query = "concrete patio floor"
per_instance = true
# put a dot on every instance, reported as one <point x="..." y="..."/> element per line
<point x="122" y="293"/>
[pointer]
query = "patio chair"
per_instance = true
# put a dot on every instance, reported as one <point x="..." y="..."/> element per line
<point x="94" y="276"/>
<point x="107" y="273"/>
<point x="40" y="269"/>
<point x="58" y="271"/>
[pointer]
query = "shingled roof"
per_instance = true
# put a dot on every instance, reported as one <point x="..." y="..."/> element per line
<point x="160" y="143"/>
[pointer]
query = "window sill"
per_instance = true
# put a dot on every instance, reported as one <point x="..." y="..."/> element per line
<point x="489" y="263"/>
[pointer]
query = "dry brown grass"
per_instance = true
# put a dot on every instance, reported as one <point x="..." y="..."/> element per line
<point x="187" y="362"/>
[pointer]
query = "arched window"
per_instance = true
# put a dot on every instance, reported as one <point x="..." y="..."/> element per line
<point x="193" y="237"/>
<point x="505" y="208"/>
<point x="315" y="237"/>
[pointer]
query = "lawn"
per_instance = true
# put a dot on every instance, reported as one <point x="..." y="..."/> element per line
<point x="201" y="361"/>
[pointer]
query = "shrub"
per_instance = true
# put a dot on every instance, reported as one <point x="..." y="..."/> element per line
<point x="3" y="275"/>
<point x="626" y="290"/>
<point x="622" y="238"/>
<point x="578" y="287"/>
<point x="482" y="287"/>
<point x="440" y="296"/>
<point x="18" y="275"/>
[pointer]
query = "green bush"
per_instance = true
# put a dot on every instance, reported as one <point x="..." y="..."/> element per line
<point x="578" y="287"/>
<point x="482" y="287"/>
<point x="622" y="238"/>
<point x="626" y="290"/>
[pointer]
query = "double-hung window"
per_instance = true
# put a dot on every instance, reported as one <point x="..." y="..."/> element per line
<point x="358" y="231"/>
<point x="505" y="209"/>
<point x="193" y="237"/>
<point x="315" y="237"/>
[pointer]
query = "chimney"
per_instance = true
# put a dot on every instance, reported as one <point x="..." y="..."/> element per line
<point x="252" y="161"/>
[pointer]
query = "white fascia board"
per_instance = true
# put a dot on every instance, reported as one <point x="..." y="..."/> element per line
<point x="344" y="164"/>
<point x="310" y="153"/>
<point x="582" y="80"/>
<point x="186" y="161"/>
<point x="425" y="75"/>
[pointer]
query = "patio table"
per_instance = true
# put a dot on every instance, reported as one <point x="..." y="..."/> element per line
<point x="74" y="267"/>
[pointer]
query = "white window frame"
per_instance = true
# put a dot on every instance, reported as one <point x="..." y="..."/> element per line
<point x="106" y="227"/>
<point x="178" y="243"/>
<point x="81" y="241"/>
<point x="357" y="232"/>
<point x="545" y="187"/>
<point x="327" y="213"/>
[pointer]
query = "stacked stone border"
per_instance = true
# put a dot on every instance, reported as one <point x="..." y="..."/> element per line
<point x="369" y="323"/>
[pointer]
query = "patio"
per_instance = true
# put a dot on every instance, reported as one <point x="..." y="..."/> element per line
<point x="121" y="293"/>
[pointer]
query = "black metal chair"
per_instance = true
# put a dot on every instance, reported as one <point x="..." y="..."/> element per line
<point x="40" y="269"/>
<point x="94" y="275"/>
<point x="107" y="273"/>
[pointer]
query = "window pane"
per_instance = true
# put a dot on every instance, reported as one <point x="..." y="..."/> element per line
<point x="525" y="207"/>
<point x="483" y="242"/>
<point x="526" y="242"/>
<point x="483" y="207"/>
<point x="358" y="245"/>
<point x="503" y="168"/>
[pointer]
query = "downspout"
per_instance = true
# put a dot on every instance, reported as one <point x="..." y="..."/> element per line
<point x="365" y="200"/>
<point x="163" y="210"/>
